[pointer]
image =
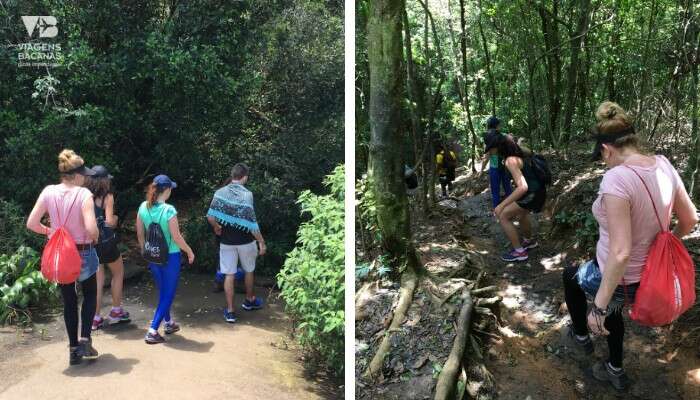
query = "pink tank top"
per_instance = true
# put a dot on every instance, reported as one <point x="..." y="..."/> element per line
<point x="663" y="182"/>
<point x="58" y="200"/>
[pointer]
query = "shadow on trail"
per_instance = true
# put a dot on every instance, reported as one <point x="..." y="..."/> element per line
<point x="183" y="343"/>
<point x="105" y="364"/>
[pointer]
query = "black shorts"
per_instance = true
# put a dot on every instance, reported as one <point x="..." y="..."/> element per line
<point x="533" y="201"/>
<point x="108" y="250"/>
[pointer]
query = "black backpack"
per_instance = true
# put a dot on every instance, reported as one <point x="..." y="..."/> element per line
<point x="541" y="168"/>
<point x="155" y="250"/>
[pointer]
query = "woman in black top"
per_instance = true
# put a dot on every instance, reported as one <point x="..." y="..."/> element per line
<point x="107" y="248"/>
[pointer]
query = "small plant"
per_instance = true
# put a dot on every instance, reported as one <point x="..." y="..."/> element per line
<point x="312" y="279"/>
<point x="22" y="286"/>
<point x="585" y="225"/>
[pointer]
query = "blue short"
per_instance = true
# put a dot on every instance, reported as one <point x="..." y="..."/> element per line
<point x="90" y="263"/>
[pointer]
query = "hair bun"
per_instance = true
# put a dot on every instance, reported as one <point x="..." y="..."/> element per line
<point x="68" y="160"/>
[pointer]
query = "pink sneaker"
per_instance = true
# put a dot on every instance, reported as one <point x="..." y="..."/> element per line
<point x="97" y="322"/>
<point x="118" y="315"/>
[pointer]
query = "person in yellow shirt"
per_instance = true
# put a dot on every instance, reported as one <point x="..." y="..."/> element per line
<point x="446" y="163"/>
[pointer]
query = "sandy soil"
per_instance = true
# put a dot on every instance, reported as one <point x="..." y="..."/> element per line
<point x="207" y="359"/>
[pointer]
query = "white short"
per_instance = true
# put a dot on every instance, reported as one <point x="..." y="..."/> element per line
<point x="229" y="255"/>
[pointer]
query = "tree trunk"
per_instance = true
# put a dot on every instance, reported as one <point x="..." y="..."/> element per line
<point x="550" y="30"/>
<point x="576" y="42"/>
<point x="487" y="55"/>
<point x="386" y="142"/>
<point x="467" y="107"/>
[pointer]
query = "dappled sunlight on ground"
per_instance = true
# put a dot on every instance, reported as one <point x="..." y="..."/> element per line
<point x="554" y="263"/>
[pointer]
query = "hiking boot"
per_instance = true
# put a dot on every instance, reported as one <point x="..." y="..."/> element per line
<point x="229" y="316"/>
<point x="75" y="357"/>
<point x="154" y="338"/>
<point x="256" y="304"/>
<point x="171" y="328"/>
<point x="603" y="372"/>
<point x="118" y="316"/>
<point x="529" y="244"/>
<point x="97" y="322"/>
<point x="585" y="345"/>
<point x="514" y="255"/>
<point x="86" y="350"/>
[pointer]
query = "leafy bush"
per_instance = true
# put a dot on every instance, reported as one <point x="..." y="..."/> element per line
<point x="22" y="285"/>
<point x="585" y="225"/>
<point x="13" y="230"/>
<point x="312" y="280"/>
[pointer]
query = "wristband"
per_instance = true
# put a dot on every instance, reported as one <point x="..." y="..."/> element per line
<point x="603" y="312"/>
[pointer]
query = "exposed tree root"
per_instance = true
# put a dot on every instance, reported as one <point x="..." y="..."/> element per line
<point x="447" y="381"/>
<point x="408" y="286"/>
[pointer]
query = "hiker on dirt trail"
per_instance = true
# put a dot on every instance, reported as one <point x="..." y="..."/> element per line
<point x="100" y="184"/>
<point x="529" y="196"/>
<point x="232" y="215"/>
<point x="497" y="173"/>
<point x="446" y="163"/>
<point x="155" y="210"/>
<point x="69" y="205"/>
<point x="628" y="224"/>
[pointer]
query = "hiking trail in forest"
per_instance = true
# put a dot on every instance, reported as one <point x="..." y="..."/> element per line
<point x="255" y="358"/>
<point x="522" y="353"/>
<point x="533" y="360"/>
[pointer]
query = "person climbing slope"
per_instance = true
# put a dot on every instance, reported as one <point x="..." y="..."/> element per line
<point x="69" y="205"/>
<point x="446" y="164"/>
<point x="529" y="196"/>
<point x="155" y="210"/>
<point x="100" y="184"/>
<point x="627" y="227"/>
<point x="497" y="175"/>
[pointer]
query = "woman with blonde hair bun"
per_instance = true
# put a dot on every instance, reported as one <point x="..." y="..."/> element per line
<point x="634" y="184"/>
<point x="69" y="205"/>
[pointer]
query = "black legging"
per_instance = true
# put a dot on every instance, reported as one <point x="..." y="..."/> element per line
<point x="69" y="292"/>
<point x="576" y="303"/>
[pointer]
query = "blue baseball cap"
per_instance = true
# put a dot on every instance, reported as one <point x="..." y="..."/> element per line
<point x="164" y="181"/>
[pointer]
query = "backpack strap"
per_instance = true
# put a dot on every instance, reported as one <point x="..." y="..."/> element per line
<point x="650" y="197"/>
<point x="58" y="210"/>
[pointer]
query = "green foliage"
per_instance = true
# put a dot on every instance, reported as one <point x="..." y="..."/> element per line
<point x="584" y="224"/>
<point x="187" y="89"/>
<point x="22" y="286"/>
<point x="312" y="280"/>
<point x="13" y="230"/>
<point x="366" y="206"/>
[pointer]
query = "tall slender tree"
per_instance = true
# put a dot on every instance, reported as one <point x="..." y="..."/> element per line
<point x="386" y="143"/>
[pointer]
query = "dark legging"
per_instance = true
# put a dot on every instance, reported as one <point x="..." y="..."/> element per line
<point x="69" y="292"/>
<point x="576" y="303"/>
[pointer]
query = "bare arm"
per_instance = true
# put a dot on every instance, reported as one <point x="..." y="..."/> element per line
<point x="140" y="231"/>
<point x="485" y="161"/>
<point x="513" y="165"/>
<point x="110" y="217"/>
<point x="685" y="210"/>
<point x="88" y="210"/>
<point x="214" y="224"/>
<point x="179" y="240"/>
<point x="620" y="226"/>
<point x="34" y="220"/>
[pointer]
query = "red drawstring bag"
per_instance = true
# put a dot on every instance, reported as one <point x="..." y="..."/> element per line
<point x="60" y="260"/>
<point x="667" y="287"/>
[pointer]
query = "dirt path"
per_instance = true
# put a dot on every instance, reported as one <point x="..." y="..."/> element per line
<point x="207" y="359"/>
<point x="533" y="361"/>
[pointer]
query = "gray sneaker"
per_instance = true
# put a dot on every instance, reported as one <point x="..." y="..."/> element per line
<point x="585" y="345"/>
<point x="603" y="372"/>
<point x="86" y="350"/>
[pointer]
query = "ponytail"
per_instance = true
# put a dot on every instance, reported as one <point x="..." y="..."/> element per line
<point x="152" y="193"/>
